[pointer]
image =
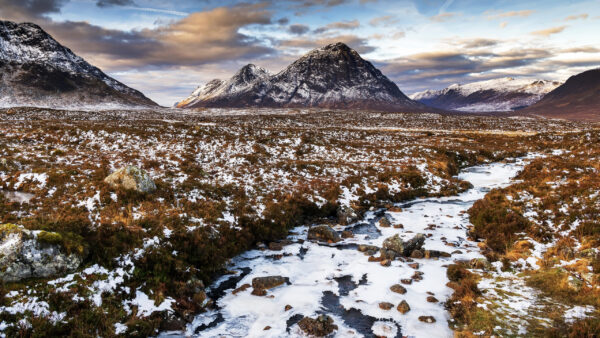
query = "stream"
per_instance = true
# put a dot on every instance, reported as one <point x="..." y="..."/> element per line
<point x="339" y="281"/>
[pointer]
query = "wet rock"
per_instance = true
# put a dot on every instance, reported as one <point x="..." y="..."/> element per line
<point x="397" y="288"/>
<point x="386" y="306"/>
<point x="35" y="254"/>
<point x="432" y="299"/>
<point x="347" y="234"/>
<point x="427" y="319"/>
<point x="131" y="178"/>
<point x="384" y="222"/>
<point x="403" y="307"/>
<point x="319" y="327"/>
<point x="269" y="282"/>
<point x="323" y="233"/>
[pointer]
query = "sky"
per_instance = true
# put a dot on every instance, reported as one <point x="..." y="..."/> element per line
<point x="167" y="48"/>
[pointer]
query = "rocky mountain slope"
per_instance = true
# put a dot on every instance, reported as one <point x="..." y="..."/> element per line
<point x="502" y="94"/>
<point x="577" y="99"/>
<point x="36" y="70"/>
<point x="334" y="76"/>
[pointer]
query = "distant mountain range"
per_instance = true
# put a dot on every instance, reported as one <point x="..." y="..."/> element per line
<point x="577" y="99"/>
<point x="503" y="94"/>
<point x="334" y="76"/>
<point x="36" y="70"/>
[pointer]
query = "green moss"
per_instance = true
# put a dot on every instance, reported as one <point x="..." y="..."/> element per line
<point x="68" y="241"/>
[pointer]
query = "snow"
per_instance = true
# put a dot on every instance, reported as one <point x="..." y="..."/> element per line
<point x="311" y="275"/>
<point x="146" y="306"/>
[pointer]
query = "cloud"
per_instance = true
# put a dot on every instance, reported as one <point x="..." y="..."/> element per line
<point x="576" y="17"/>
<point x="23" y="9"/>
<point x="298" y="29"/>
<point x="341" y="25"/>
<point x="109" y="3"/>
<point x="549" y="31"/>
<point x="384" y="20"/>
<point x="491" y="15"/>
<point x="443" y="17"/>
<point x="503" y="24"/>
<point x="475" y="43"/>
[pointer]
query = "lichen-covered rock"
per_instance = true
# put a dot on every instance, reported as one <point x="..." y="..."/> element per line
<point x="319" y="327"/>
<point x="323" y="233"/>
<point x="34" y="254"/>
<point x="396" y="244"/>
<point x="131" y="178"/>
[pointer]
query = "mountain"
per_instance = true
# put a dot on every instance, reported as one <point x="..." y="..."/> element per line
<point x="36" y="70"/>
<point x="334" y="76"/>
<point x="502" y="94"/>
<point x="577" y="99"/>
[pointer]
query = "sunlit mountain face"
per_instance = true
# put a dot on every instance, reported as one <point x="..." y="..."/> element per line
<point x="420" y="45"/>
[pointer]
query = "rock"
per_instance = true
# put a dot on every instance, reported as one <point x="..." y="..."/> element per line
<point x="396" y="244"/>
<point x="268" y="282"/>
<point x="480" y="263"/>
<point x="131" y="178"/>
<point x="259" y="292"/>
<point x="275" y="246"/>
<point x="365" y="248"/>
<point x="417" y="254"/>
<point x="346" y="215"/>
<point x="323" y="233"/>
<point x="417" y="276"/>
<point x="432" y="299"/>
<point x="267" y="328"/>
<point x="414" y="265"/>
<point x="173" y="324"/>
<point x="406" y="281"/>
<point x="397" y="288"/>
<point x="384" y="222"/>
<point x="386" y="306"/>
<point x="36" y="254"/>
<point x="403" y="307"/>
<point x="385" y="262"/>
<point x="319" y="327"/>
<point x="347" y="234"/>
<point x="427" y="319"/>
<point x="398" y="226"/>
<point x="241" y="289"/>
<point x="388" y="254"/>
<point x="287" y="308"/>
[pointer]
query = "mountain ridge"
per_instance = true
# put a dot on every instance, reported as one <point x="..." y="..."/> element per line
<point x="334" y="76"/>
<point x="36" y="70"/>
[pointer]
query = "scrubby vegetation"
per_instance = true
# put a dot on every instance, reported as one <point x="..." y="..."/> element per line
<point x="228" y="180"/>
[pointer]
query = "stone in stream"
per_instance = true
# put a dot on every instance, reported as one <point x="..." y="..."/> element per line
<point x="319" y="327"/>
<point x="36" y="254"/>
<point x="403" y="307"/>
<point x="323" y="233"/>
<point x="384" y="222"/>
<point x="131" y="178"/>
<point x="397" y="288"/>
<point x="427" y="319"/>
<point x="386" y="306"/>
<point x="396" y="244"/>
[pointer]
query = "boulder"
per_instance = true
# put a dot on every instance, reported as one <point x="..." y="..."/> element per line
<point x="346" y="215"/>
<point x="384" y="222"/>
<point x="35" y="254"/>
<point x="403" y="307"/>
<point x="397" y="288"/>
<point x="323" y="233"/>
<point x="319" y="327"/>
<point x="131" y="178"/>
<point x="268" y="282"/>
<point x="396" y="244"/>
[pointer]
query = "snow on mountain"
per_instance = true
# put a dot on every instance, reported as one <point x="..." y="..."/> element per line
<point x="334" y="76"/>
<point x="503" y="94"/>
<point x="36" y="70"/>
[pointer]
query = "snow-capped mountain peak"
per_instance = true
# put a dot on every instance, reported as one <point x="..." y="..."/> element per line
<point x="502" y="94"/>
<point x="39" y="71"/>
<point x="334" y="76"/>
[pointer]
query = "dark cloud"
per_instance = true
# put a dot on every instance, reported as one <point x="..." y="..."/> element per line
<point x="361" y="45"/>
<point x="298" y="29"/>
<point x="283" y="21"/>
<point x="109" y="3"/>
<point x="29" y="8"/>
